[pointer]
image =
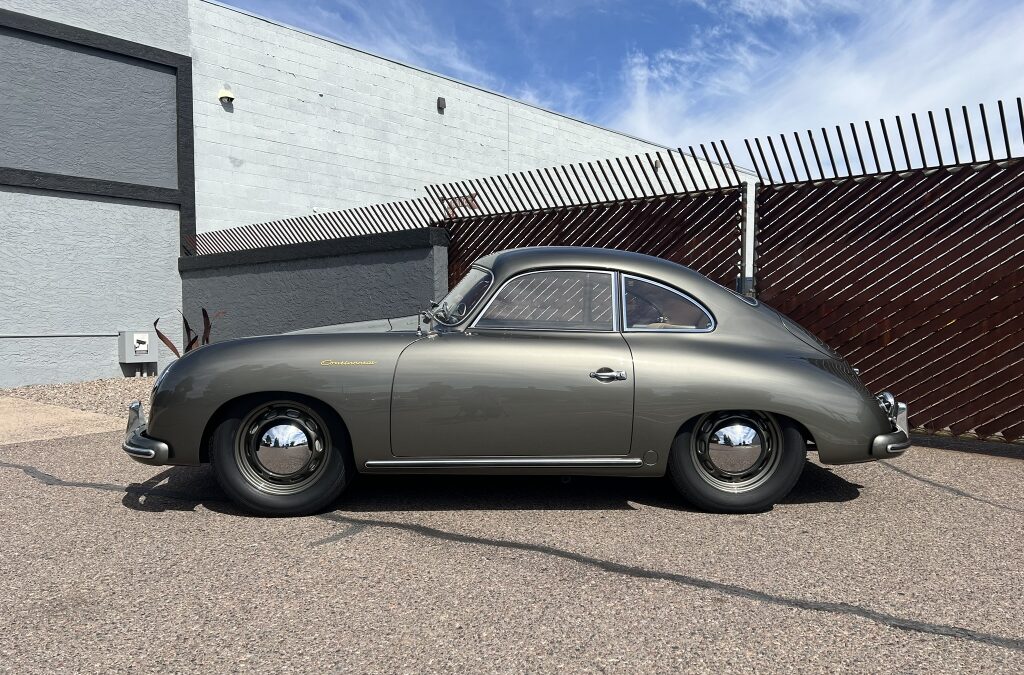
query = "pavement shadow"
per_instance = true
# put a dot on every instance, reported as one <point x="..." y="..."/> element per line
<point x="496" y="493"/>
<point x="185" y="488"/>
<point x="974" y="446"/>
<point x="179" y="488"/>
<point x="580" y="493"/>
<point x="819" y="484"/>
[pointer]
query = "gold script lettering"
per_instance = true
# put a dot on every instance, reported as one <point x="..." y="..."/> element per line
<point x="332" y="362"/>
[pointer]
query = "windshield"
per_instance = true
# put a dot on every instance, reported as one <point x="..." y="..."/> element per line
<point x="461" y="300"/>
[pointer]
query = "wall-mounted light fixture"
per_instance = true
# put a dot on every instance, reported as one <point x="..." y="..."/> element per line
<point x="441" y="104"/>
<point x="225" y="97"/>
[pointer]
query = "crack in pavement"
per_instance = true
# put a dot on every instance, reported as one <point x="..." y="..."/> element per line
<point x="352" y="530"/>
<point x="733" y="590"/>
<point x="357" y="525"/>
<point x="135" y="489"/>
<point x="949" y="489"/>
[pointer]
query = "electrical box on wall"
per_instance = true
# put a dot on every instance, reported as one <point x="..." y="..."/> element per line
<point x="137" y="347"/>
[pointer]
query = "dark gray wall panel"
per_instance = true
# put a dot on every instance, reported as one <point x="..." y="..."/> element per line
<point x="277" y="296"/>
<point x="84" y="112"/>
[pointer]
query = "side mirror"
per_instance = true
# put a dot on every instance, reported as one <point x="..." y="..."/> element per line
<point x="434" y="304"/>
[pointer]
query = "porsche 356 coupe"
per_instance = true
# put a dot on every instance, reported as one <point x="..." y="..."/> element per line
<point x="542" y="360"/>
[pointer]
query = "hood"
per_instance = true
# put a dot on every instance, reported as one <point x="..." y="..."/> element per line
<point x="400" y="324"/>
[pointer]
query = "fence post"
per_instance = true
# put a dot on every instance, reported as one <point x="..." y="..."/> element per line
<point x="747" y="282"/>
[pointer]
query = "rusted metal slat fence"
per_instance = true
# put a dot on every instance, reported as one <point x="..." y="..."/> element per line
<point x="914" y="275"/>
<point x="680" y="206"/>
<point x="700" y="230"/>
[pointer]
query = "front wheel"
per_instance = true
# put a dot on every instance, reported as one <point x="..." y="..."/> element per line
<point x="737" y="461"/>
<point x="280" y="458"/>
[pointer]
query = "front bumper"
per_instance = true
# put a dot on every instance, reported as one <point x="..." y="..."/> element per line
<point x="898" y="440"/>
<point x="137" y="444"/>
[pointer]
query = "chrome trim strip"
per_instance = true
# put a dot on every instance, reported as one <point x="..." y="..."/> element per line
<point x="541" y="462"/>
<point x="622" y="287"/>
<point x="896" y="448"/>
<point x="616" y="302"/>
<point x="496" y="293"/>
<point x="137" y="451"/>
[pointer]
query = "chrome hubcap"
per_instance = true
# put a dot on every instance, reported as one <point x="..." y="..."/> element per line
<point x="736" y="451"/>
<point x="281" y="448"/>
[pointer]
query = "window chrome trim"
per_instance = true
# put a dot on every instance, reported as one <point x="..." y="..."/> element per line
<point x="495" y="295"/>
<point x="617" y="311"/>
<point x="699" y="305"/>
<point x="470" y="312"/>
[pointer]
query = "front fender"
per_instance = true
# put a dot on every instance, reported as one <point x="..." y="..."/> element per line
<point x="350" y="373"/>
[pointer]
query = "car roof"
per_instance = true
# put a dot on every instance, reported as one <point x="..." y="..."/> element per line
<point x="504" y="264"/>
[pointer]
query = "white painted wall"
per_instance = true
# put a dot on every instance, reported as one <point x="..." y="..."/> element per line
<point x="319" y="126"/>
<point x="157" y="23"/>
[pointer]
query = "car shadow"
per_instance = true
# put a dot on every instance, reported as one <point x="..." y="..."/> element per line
<point x="819" y="484"/>
<point x="185" y="488"/>
<point x="971" y="445"/>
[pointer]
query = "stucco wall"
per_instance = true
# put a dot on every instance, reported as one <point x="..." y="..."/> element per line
<point x="61" y="119"/>
<point x="316" y="125"/>
<point x="307" y="285"/>
<point x="160" y="23"/>
<point x="85" y="266"/>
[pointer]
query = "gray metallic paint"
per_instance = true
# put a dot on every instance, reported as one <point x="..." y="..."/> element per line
<point x="491" y="394"/>
<point x="466" y="394"/>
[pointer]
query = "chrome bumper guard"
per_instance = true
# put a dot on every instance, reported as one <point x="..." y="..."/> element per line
<point x="898" y="440"/>
<point x="137" y="444"/>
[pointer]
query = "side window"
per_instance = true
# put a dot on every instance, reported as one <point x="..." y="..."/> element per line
<point x="554" y="301"/>
<point x="651" y="306"/>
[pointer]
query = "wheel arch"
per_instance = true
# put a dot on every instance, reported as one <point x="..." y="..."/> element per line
<point x="800" y="426"/>
<point x="328" y="412"/>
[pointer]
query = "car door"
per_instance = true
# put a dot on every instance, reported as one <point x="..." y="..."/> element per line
<point x="543" y="371"/>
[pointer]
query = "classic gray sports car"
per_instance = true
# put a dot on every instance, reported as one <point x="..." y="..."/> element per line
<point x="540" y="361"/>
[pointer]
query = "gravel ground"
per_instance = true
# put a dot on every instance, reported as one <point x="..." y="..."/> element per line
<point x="108" y="397"/>
<point x="908" y="565"/>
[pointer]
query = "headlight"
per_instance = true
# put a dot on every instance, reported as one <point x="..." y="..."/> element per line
<point x="162" y="375"/>
<point x="887" y="402"/>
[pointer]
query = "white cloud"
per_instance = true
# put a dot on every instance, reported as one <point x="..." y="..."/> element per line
<point x="888" y="58"/>
<point x="796" y="13"/>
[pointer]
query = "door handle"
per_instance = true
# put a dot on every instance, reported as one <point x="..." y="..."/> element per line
<point x="608" y="375"/>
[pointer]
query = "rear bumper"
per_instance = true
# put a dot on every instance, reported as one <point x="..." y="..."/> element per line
<point x="137" y="444"/>
<point x="898" y="440"/>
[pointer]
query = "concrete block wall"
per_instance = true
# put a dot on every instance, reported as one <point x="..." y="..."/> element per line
<point x="316" y="126"/>
<point x="160" y="24"/>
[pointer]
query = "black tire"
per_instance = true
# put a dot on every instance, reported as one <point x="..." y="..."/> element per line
<point x="242" y="463"/>
<point x="767" y="481"/>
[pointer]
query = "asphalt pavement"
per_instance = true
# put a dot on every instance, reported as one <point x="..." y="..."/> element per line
<point x="914" y="564"/>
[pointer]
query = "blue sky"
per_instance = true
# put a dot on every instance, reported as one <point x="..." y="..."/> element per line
<point x="687" y="71"/>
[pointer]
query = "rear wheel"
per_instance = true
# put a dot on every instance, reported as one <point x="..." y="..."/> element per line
<point x="280" y="457"/>
<point x="737" y="461"/>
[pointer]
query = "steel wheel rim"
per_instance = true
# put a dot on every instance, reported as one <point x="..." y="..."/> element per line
<point x="736" y="451"/>
<point x="281" y="448"/>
